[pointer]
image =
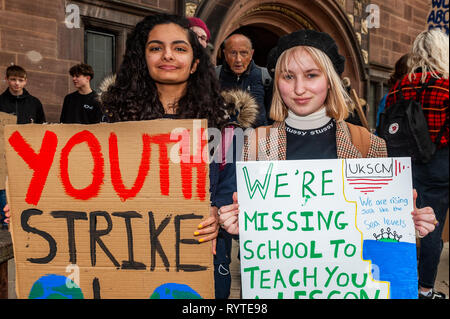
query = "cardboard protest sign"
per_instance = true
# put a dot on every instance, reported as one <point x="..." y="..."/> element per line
<point x="5" y="119"/>
<point x="109" y="210"/>
<point x="438" y="16"/>
<point x="327" y="229"/>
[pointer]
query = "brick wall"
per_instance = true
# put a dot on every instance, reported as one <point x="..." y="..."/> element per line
<point x="33" y="35"/>
<point x="164" y="5"/>
<point x="29" y="37"/>
<point x="400" y="22"/>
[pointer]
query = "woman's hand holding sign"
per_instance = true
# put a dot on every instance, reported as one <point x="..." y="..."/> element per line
<point x="228" y="217"/>
<point x="424" y="218"/>
<point x="7" y="214"/>
<point x="209" y="227"/>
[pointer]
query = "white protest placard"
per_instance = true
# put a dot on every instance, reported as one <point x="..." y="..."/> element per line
<point x="327" y="229"/>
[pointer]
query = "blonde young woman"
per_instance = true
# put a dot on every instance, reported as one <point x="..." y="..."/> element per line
<point x="309" y="107"/>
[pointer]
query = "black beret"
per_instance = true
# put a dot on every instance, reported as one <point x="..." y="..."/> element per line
<point x="319" y="40"/>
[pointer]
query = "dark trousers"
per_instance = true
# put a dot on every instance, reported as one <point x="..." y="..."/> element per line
<point x="2" y="205"/>
<point x="222" y="260"/>
<point x="431" y="181"/>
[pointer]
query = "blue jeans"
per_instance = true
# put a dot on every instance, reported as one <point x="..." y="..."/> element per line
<point x="431" y="181"/>
<point x="2" y="205"/>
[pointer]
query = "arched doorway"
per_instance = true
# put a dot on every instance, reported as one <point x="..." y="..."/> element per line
<point x="262" y="38"/>
<point x="282" y="17"/>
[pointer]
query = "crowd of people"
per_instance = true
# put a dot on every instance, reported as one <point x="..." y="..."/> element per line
<point x="167" y="73"/>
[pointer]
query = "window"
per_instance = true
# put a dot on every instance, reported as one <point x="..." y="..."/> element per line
<point x="377" y="90"/>
<point x="100" y="52"/>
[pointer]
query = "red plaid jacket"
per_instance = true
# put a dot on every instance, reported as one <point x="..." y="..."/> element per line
<point x="434" y="101"/>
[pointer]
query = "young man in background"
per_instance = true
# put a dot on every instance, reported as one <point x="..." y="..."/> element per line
<point x="17" y="101"/>
<point x="81" y="106"/>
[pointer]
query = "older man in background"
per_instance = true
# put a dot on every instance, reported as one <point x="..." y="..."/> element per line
<point x="239" y="71"/>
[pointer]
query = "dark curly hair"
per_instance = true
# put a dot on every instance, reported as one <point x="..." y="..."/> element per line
<point x="134" y="95"/>
<point x="82" y="69"/>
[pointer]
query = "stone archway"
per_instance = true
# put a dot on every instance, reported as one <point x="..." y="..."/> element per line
<point x="262" y="38"/>
<point x="282" y="17"/>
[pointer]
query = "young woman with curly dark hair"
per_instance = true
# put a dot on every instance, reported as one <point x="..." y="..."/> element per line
<point x="166" y="73"/>
<point x="160" y="84"/>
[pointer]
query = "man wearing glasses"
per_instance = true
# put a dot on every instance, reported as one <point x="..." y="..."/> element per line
<point x="201" y="30"/>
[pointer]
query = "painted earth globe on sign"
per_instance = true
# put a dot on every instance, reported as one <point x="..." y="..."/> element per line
<point x="55" y="287"/>
<point x="174" y="291"/>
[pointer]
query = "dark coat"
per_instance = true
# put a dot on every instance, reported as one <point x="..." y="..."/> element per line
<point x="251" y="82"/>
<point x="27" y="108"/>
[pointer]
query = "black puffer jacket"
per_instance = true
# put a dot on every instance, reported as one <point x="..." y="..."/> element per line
<point x="27" y="108"/>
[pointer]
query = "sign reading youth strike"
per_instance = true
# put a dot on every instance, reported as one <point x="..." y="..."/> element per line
<point x="327" y="229"/>
<point x="109" y="210"/>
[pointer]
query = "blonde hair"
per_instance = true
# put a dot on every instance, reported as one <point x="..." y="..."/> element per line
<point x="338" y="103"/>
<point x="430" y="53"/>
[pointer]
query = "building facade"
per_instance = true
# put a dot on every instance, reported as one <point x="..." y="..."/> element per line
<point x="46" y="37"/>
<point x="371" y="34"/>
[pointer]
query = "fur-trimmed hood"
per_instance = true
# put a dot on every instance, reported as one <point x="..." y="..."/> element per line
<point x="244" y="109"/>
<point x="105" y="84"/>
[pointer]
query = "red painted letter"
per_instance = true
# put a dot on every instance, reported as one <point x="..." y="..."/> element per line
<point x="187" y="167"/>
<point x="39" y="163"/>
<point x="162" y="140"/>
<point x="116" y="175"/>
<point x="97" y="173"/>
